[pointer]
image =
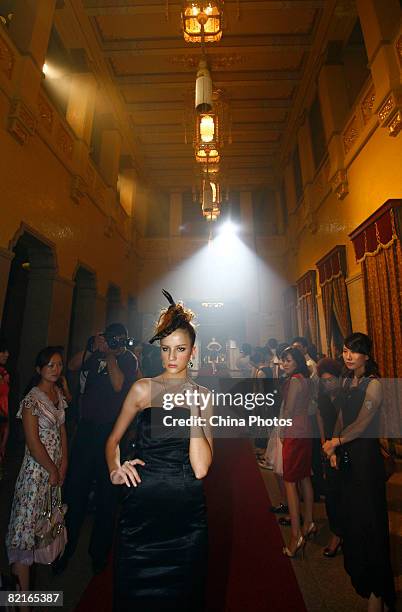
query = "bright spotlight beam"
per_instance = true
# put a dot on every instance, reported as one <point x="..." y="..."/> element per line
<point x="228" y="229"/>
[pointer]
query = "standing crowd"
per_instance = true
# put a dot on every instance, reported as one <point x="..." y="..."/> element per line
<point x="331" y="449"/>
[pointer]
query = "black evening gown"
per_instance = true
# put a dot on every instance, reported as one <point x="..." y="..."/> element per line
<point x="161" y="552"/>
<point x="364" y="513"/>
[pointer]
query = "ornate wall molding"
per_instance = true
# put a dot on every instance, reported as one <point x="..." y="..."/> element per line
<point x="398" y="47"/>
<point x="64" y="141"/>
<point x="21" y="121"/>
<point x="79" y="188"/>
<point x="339" y="184"/>
<point x="350" y="134"/>
<point x="368" y="104"/>
<point x="45" y="114"/>
<point x="7" y="59"/>
<point x="216" y="62"/>
<point x="390" y="112"/>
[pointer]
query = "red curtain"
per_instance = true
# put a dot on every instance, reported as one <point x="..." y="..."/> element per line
<point x="378" y="246"/>
<point x="307" y="306"/>
<point x="332" y="273"/>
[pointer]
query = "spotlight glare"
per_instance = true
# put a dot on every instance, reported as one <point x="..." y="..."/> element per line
<point x="45" y="69"/>
<point x="228" y="229"/>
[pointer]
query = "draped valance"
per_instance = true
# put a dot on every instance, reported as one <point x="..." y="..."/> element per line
<point x="378" y="232"/>
<point x="332" y="265"/>
<point x="306" y="285"/>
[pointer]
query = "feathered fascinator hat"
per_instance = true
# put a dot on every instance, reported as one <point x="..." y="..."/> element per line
<point x="175" y="316"/>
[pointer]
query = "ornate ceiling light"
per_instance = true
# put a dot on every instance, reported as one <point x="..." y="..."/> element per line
<point x="203" y="88"/>
<point x="206" y="141"/>
<point x="210" y="199"/>
<point x="202" y="20"/>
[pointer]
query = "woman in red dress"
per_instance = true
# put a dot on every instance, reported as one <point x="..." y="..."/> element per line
<point x="297" y="448"/>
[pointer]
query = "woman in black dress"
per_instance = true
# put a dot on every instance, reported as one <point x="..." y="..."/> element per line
<point x="355" y="450"/>
<point x="329" y="373"/>
<point x="160" y="556"/>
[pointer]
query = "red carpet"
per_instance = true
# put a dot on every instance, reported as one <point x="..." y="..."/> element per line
<point x="246" y="570"/>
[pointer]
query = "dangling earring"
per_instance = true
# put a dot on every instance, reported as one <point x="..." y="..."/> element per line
<point x="190" y="363"/>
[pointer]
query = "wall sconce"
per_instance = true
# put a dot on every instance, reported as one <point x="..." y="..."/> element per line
<point x="202" y="20"/>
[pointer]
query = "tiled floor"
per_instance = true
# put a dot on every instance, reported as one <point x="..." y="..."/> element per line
<point x="323" y="582"/>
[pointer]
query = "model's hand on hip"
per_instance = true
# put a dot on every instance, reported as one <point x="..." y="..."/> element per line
<point x="126" y="473"/>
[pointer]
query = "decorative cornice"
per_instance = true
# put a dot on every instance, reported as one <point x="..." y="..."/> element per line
<point x="216" y="62"/>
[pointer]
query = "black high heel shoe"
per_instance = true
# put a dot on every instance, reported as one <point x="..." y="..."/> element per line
<point x="331" y="552"/>
<point x="311" y="531"/>
<point x="280" y="509"/>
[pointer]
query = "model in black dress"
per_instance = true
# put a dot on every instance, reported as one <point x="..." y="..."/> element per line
<point x="363" y="507"/>
<point x="160" y="556"/>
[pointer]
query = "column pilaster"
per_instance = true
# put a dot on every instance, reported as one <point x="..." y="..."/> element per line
<point x="379" y="21"/>
<point x="109" y="158"/>
<point x="334" y="107"/>
<point x="29" y="30"/>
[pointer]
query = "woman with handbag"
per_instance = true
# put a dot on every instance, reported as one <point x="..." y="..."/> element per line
<point x="44" y="463"/>
<point x="356" y="452"/>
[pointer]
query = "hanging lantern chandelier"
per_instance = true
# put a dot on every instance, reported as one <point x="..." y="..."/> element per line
<point x="202" y="20"/>
<point x="203" y="88"/>
<point x="210" y="203"/>
<point x="206" y="141"/>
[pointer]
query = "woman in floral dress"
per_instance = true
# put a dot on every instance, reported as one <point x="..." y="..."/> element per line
<point x="45" y="459"/>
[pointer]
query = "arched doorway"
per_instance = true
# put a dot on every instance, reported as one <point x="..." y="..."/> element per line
<point x="83" y="310"/>
<point x="27" y="307"/>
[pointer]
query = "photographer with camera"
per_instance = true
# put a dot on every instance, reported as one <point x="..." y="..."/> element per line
<point x="107" y="371"/>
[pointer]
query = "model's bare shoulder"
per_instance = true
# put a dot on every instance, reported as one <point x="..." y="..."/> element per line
<point x="140" y="392"/>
